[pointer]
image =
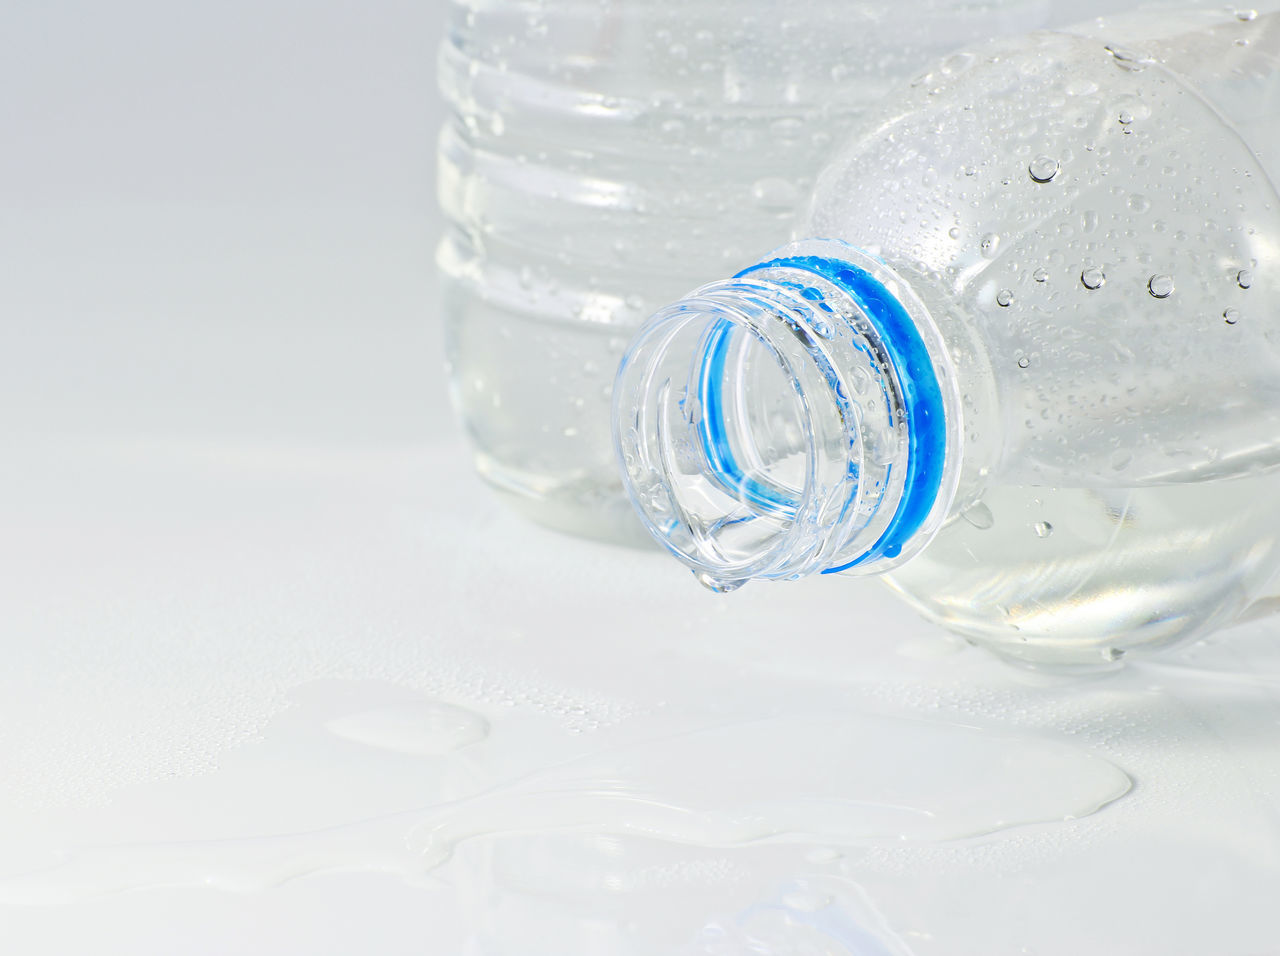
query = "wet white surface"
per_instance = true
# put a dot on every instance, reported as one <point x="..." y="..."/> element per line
<point x="255" y="692"/>
<point x="281" y="677"/>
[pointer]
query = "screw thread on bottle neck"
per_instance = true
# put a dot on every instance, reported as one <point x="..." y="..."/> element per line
<point x="787" y="421"/>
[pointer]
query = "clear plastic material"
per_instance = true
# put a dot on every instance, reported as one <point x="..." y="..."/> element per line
<point x="605" y="156"/>
<point x="1082" y="231"/>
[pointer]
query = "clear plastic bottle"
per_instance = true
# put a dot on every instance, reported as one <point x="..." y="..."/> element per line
<point x="603" y="157"/>
<point x="1040" y="388"/>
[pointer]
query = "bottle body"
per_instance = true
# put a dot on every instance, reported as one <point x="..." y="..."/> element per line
<point x="1070" y="575"/>
<point x="1090" y="223"/>
<point x="602" y="159"/>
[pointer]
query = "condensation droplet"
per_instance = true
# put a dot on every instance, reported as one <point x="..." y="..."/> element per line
<point x="1023" y="361"/>
<point x="1004" y="298"/>
<point x="1160" y="286"/>
<point x="1231" y="316"/>
<point x="1043" y="529"/>
<point x="1041" y="275"/>
<point x="1125" y="117"/>
<point x="1246" y="15"/>
<point x="1092" y="278"/>
<point x="1244" y="278"/>
<point x="954" y="232"/>
<point x="979" y="515"/>
<point x="1126" y="59"/>
<point x="719" y="585"/>
<point x="1043" y="168"/>
<point x="990" y="243"/>
<point x="692" y="409"/>
<point x="860" y="380"/>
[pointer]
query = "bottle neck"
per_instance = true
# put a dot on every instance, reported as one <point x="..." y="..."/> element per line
<point x="797" y="418"/>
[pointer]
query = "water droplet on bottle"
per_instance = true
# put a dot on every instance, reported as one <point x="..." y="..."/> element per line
<point x="1004" y="298"/>
<point x="860" y="380"/>
<point x="1043" y="529"/>
<point x="1043" y="169"/>
<point x="1112" y="653"/>
<point x="692" y="409"/>
<point x="979" y="515"/>
<point x="957" y="63"/>
<point x="1232" y="316"/>
<point x="970" y="170"/>
<point x="1160" y="286"/>
<point x="1125" y="117"/>
<point x="718" y="585"/>
<point x="990" y="243"/>
<point x="1244" y="278"/>
<point x="1126" y="59"/>
<point x="1023" y="362"/>
<point x="1246" y="15"/>
<point x="954" y="232"/>
<point x="1041" y="275"/>
<point x="1092" y="278"/>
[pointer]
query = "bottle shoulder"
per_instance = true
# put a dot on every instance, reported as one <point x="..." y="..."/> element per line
<point x="1097" y="241"/>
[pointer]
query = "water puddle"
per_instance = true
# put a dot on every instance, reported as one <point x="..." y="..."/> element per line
<point x="833" y="779"/>
<point x="426" y="728"/>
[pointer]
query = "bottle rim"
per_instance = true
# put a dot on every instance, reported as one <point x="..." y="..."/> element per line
<point x="847" y="461"/>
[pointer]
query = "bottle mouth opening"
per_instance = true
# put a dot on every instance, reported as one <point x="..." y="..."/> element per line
<point x="792" y="419"/>
<point x="739" y="446"/>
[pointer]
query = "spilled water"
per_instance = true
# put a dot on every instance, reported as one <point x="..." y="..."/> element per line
<point x="705" y="776"/>
<point x="424" y="728"/>
<point x="843" y="779"/>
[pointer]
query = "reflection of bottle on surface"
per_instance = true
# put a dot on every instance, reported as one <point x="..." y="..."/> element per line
<point x="604" y="156"/>
<point x="1042" y="392"/>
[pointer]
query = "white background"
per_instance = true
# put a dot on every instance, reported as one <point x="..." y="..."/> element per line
<point x="235" y="512"/>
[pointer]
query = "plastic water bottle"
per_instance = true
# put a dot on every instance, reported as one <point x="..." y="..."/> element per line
<point x="1030" y="372"/>
<point x="605" y="156"/>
